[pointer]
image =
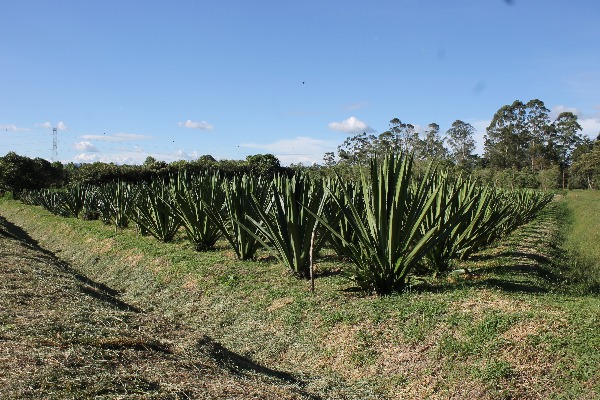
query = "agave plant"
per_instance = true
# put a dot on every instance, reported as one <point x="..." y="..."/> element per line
<point x="333" y="214"/>
<point x="286" y="227"/>
<point x="154" y="213"/>
<point x="103" y="203"/>
<point x="477" y="215"/>
<point x="487" y="213"/>
<point x="115" y="203"/>
<point x="239" y="194"/>
<point x="390" y="239"/>
<point x="527" y="204"/>
<point x="454" y="199"/>
<point x="521" y="207"/>
<point x="54" y="201"/>
<point x="30" y="197"/>
<point x="191" y="197"/>
<point x="74" y="199"/>
<point x="91" y="204"/>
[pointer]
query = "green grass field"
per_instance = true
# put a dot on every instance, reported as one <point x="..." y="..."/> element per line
<point x="522" y="324"/>
<point x="581" y="232"/>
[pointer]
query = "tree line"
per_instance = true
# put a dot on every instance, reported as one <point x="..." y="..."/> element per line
<point x="20" y="172"/>
<point x="523" y="147"/>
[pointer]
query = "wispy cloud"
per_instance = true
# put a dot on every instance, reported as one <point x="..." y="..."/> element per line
<point x="300" y="149"/>
<point x="117" y="137"/>
<point x="13" y="128"/>
<point x="356" y="106"/>
<point x="202" y="125"/>
<point x="351" y="125"/>
<point x="85" y="147"/>
<point x="135" y="156"/>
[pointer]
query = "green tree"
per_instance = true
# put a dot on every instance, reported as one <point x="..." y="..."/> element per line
<point x="329" y="159"/>
<point x="149" y="161"/>
<point x="462" y="144"/>
<point x="504" y="143"/>
<point x="357" y="149"/>
<point x="207" y="158"/>
<point x="518" y="136"/>
<point x="432" y="146"/>
<point x="96" y="173"/>
<point x="538" y="129"/>
<point x="565" y="138"/>
<point x="586" y="163"/>
<point x="21" y="172"/>
<point x="263" y="164"/>
<point x="402" y="138"/>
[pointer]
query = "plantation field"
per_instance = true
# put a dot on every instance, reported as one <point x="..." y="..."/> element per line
<point x="522" y="322"/>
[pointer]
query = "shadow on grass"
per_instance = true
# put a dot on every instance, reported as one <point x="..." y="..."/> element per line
<point x="89" y="286"/>
<point x="513" y="286"/>
<point x="238" y="365"/>
<point x="511" y="278"/>
<point x="512" y="254"/>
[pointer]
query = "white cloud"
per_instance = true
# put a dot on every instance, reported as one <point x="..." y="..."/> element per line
<point x="13" y="128"/>
<point x="47" y="125"/>
<point x="300" y="149"/>
<point x="202" y="125"/>
<point x="117" y="137"/>
<point x="351" y="125"/>
<point x="85" y="146"/>
<point x="590" y="126"/>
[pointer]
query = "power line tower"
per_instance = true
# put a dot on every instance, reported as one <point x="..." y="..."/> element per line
<point x="54" y="144"/>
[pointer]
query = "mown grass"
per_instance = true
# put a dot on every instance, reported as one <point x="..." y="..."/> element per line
<point x="512" y="327"/>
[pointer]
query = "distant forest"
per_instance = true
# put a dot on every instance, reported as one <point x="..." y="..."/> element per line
<point x="523" y="148"/>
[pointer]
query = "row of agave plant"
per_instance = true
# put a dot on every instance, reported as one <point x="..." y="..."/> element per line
<point x="391" y="224"/>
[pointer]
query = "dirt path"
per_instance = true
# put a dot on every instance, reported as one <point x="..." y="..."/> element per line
<point x="65" y="336"/>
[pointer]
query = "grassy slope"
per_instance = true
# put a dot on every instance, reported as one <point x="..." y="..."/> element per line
<point x="511" y="329"/>
<point x="64" y="336"/>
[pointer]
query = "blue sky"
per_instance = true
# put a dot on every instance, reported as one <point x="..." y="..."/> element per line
<point x="122" y="80"/>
